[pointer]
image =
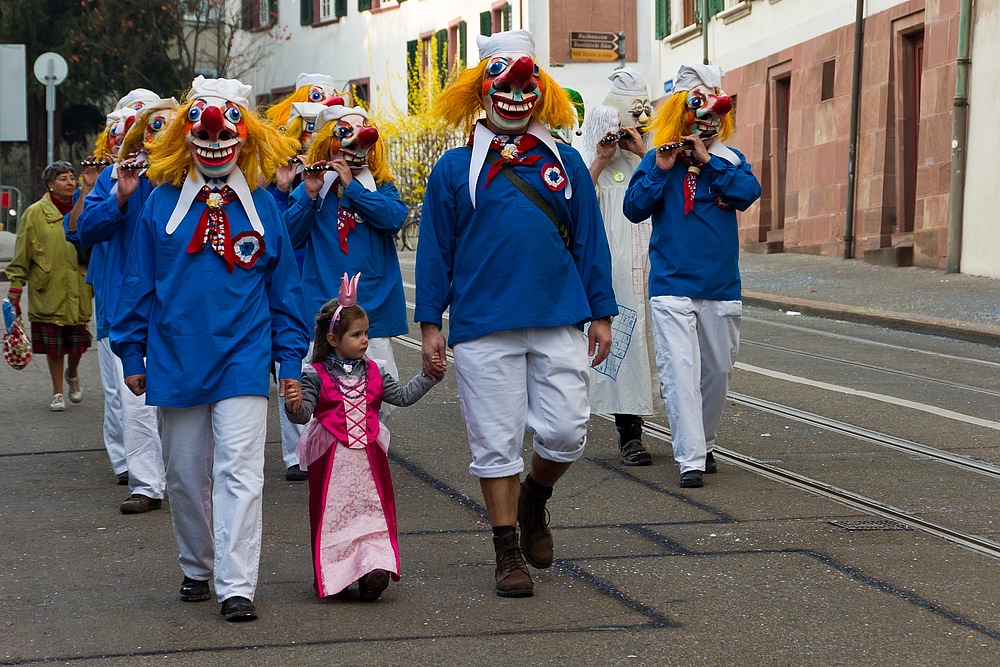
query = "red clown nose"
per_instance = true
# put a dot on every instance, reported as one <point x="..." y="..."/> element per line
<point x="518" y="75"/>
<point x="211" y="121"/>
<point x="367" y="137"/>
<point x="334" y="101"/>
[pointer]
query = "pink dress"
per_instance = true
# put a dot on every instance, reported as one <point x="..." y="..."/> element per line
<point x="352" y="510"/>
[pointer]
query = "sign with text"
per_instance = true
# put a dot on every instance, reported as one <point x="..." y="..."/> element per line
<point x="593" y="45"/>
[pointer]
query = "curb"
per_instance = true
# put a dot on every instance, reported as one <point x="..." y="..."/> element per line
<point x="922" y="324"/>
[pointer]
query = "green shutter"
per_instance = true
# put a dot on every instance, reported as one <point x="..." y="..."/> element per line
<point x="364" y="5"/>
<point x="305" y="12"/>
<point x="506" y="17"/>
<point x="715" y="6"/>
<point x="463" y="30"/>
<point x="246" y="14"/>
<point x="662" y="18"/>
<point x="412" y="82"/>
<point x="485" y="23"/>
<point x="340" y="9"/>
<point x="272" y="11"/>
<point x="441" y="56"/>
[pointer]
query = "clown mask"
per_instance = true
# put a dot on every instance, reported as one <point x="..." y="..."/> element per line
<point x="633" y="110"/>
<point x="705" y="107"/>
<point x="511" y="87"/>
<point x="118" y="130"/>
<point x="352" y="139"/>
<point x="158" y="121"/>
<point x="215" y="135"/>
<point x="321" y="93"/>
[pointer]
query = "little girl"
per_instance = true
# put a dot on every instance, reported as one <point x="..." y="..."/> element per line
<point x="352" y="510"/>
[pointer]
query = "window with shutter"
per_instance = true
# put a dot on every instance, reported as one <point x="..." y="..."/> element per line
<point x="485" y="23"/>
<point x="506" y="17"/>
<point x="412" y="74"/>
<point x="273" y="11"/>
<point x="715" y="6"/>
<point x="341" y="8"/>
<point x="305" y="12"/>
<point x="662" y="18"/>
<point x="463" y="30"/>
<point x="364" y="5"/>
<point x="246" y="14"/>
<point x="441" y="56"/>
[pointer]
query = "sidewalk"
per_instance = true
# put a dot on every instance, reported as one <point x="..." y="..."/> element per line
<point x="908" y="298"/>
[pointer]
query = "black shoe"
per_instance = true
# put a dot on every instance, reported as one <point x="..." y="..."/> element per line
<point x="237" y="609"/>
<point x="691" y="479"/>
<point x="296" y="474"/>
<point x="710" y="467"/>
<point x="634" y="454"/>
<point x="372" y="584"/>
<point x="193" y="590"/>
<point x="121" y="479"/>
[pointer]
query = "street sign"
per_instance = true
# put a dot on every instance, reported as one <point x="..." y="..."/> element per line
<point x="50" y="68"/>
<point x="593" y="45"/>
<point x="55" y="74"/>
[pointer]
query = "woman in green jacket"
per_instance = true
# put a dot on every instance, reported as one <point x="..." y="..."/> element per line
<point x="59" y="298"/>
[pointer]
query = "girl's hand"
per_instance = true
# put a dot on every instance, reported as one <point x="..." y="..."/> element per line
<point x="440" y="365"/>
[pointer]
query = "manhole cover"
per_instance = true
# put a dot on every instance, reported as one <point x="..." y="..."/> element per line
<point x="871" y="524"/>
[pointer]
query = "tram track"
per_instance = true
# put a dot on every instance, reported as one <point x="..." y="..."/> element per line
<point x="855" y="501"/>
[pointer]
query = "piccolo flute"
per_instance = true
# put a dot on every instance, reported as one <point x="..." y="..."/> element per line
<point x="318" y="167"/>
<point x="681" y="144"/>
<point x="617" y="136"/>
<point x="95" y="163"/>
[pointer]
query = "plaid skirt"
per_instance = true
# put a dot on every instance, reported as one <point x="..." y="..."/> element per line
<point x="55" y="340"/>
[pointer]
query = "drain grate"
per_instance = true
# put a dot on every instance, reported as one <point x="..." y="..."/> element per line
<point x="870" y="524"/>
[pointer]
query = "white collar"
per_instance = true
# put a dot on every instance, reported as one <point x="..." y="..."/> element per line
<point x="719" y="149"/>
<point x="193" y="184"/>
<point x="364" y="177"/>
<point x="483" y="136"/>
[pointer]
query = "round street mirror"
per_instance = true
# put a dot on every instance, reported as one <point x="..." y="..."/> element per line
<point x="58" y="70"/>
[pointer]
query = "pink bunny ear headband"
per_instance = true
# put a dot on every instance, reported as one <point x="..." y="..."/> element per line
<point x="348" y="297"/>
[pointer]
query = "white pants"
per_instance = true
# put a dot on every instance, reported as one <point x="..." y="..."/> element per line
<point x="221" y="442"/>
<point x="113" y="440"/>
<point x="534" y="377"/>
<point x="696" y="343"/>
<point x="137" y="423"/>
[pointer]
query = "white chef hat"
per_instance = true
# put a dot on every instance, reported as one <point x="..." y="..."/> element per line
<point x="627" y="82"/>
<point x="690" y="76"/>
<point x="511" y="41"/>
<point x="305" y="110"/>
<point x="118" y="115"/>
<point x="338" y="111"/>
<point x="313" y="79"/>
<point x="230" y="90"/>
<point x="137" y="95"/>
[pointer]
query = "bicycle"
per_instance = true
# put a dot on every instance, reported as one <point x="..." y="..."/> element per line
<point x="406" y="238"/>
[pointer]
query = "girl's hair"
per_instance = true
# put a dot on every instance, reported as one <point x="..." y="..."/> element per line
<point x="461" y="104"/>
<point x="348" y="316"/>
<point x="673" y="119"/>
<point x="378" y="164"/>
<point x="265" y="148"/>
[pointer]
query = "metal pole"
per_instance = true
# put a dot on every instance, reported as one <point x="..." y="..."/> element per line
<point x="959" y="140"/>
<point x="852" y="163"/>
<point x="704" y="31"/>
<point x="50" y="106"/>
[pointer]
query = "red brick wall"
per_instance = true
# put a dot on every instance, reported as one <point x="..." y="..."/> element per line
<point x="819" y="131"/>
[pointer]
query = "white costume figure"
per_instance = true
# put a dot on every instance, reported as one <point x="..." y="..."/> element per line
<point x="613" y="144"/>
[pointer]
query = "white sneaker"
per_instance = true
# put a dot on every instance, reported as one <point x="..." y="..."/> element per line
<point x="75" y="392"/>
<point x="57" y="404"/>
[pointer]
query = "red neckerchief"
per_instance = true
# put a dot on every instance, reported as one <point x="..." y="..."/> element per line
<point x="690" y="181"/>
<point x="213" y="226"/>
<point x="510" y="153"/>
<point x="63" y="207"/>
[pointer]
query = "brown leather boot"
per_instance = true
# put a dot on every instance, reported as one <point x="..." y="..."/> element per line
<point x="513" y="580"/>
<point x="536" y="538"/>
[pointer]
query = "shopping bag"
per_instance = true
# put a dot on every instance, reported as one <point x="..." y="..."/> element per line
<point x="16" y="343"/>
